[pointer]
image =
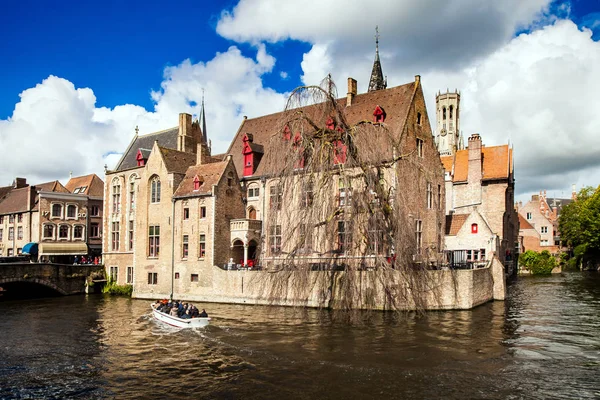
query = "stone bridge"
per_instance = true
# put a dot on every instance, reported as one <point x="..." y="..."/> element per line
<point x="61" y="278"/>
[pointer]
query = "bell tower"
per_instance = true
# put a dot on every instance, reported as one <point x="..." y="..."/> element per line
<point x="447" y="129"/>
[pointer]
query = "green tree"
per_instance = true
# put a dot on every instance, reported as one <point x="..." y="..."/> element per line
<point x="579" y="224"/>
<point x="538" y="263"/>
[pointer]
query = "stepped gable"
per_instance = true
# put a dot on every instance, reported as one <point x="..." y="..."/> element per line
<point x="91" y="184"/>
<point x="497" y="163"/>
<point x="454" y="222"/>
<point x="209" y="175"/>
<point x="15" y="201"/>
<point x="524" y="224"/>
<point x="395" y="101"/>
<point x="166" y="138"/>
<point x="177" y="161"/>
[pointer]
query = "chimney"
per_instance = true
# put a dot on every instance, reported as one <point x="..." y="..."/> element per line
<point x="417" y="79"/>
<point x="185" y="133"/>
<point x="475" y="172"/>
<point x="19" y="183"/>
<point x="202" y="154"/>
<point x="573" y="192"/>
<point x="351" y="91"/>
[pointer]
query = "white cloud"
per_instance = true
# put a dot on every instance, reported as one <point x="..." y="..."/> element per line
<point x="536" y="90"/>
<point x="57" y="128"/>
<point x="284" y="75"/>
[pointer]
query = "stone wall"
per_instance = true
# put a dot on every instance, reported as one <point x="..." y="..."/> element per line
<point x="444" y="290"/>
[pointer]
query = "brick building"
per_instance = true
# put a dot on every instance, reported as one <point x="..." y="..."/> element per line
<point x="540" y="232"/>
<point x="481" y="220"/>
<point x="174" y="213"/>
<point x="52" y="221"/>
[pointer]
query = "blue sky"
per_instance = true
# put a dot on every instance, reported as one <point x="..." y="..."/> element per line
<point x="118" y="48"/>
<point x="86" y="74"/>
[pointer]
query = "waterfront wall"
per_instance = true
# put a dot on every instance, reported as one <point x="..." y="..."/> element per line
<point x="434" y="290"/>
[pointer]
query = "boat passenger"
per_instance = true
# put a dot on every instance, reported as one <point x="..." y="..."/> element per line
<point x="203" y="314"/>
<point x="174" y="312"/>
<point x="186" y="315"/>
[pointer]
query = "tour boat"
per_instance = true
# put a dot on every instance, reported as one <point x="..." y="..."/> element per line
<point x="179" y="322"/>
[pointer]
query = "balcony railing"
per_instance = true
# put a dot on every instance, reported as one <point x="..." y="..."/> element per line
<point x="245" y="225"/>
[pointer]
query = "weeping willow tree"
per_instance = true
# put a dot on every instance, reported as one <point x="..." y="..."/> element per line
<point x="345" y="209"/>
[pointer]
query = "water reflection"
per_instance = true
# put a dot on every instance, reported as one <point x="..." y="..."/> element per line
<point x="542" y="342"/>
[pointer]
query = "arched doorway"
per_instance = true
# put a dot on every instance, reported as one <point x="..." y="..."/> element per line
<point x="237" y="252"/>
<point x="251" y="213"/>
<point x="252" y="253"/>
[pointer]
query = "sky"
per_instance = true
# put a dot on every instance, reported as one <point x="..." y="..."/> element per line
<point x="76" y="78"/>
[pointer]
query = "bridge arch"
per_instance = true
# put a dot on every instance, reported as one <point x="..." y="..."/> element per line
<point x="34" y="280"/>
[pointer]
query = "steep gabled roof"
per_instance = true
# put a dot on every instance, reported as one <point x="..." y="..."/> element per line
<point x="166" y="138"/>
<point x="209" y="174"/>
<point x="177" y="161"/>
<point x="52" y="186"/>
<point x="497" y="163"/>
<point x="15" y="201"/>
<point x="524" y="224"/>
<point x="92" y="185"/>
<point x="395" y="101"/>
<point x="454" y="222"/>
<point x="4" y="190"/>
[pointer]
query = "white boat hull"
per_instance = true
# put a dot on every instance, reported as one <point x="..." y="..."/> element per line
<point x="178" y="322"/>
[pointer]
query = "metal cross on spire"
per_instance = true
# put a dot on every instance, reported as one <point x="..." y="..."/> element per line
<point x="377" y="38"/>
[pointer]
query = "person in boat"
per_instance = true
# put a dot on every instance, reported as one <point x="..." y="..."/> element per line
<point x="186" y="315"/>
<point x="173" y="312"/>
<point x="194" y="311"/>
<point x="203" y="314"/>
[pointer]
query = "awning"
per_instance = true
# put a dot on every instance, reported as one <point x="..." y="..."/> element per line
<point x="30" y="248"/>
<point x="63" y="249"/>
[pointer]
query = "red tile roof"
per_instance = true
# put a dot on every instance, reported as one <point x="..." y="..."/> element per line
<point x="454" y="222"/>
<point x="497" y="163"/>
<point x="209" y="175"/>
<point x="524" y="224"/>
<point x="94" y="186"/>
<point x="52" y="186"/>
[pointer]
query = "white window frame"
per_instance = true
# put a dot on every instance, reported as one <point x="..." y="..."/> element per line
<point x="83" y="234"/>
<point x="62" y="210"/>
<point x="54" y="231"/>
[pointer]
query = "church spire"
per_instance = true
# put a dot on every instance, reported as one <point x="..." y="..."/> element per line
<point x="377" y="81"/>
<point x="202" y="119"/>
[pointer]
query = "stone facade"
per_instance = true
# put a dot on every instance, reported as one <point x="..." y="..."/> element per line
<point x="52" y="216"/>
<point x="447" y="130"/>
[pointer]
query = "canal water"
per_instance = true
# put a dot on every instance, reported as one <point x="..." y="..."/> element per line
<point x="543" y="342"/>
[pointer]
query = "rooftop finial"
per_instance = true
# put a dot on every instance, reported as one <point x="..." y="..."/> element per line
<point x="202" y="118"/>
<point x="137" y="130"/>
<point x="377" y="40"/>
<point x="377" y="80"/>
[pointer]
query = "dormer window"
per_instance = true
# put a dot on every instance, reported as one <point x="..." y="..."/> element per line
<point x="378" y="115"/>
<point x="330" y="123"/>
<point x="141" y="157"/>
<point x="287" y="134"/>
<point x="197" y="183"/>
<point x="474" y="228"/>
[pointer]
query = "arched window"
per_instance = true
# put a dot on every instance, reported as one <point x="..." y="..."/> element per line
<point x="155" y="190"/>
<point x="78" y="232"/>
<point x="71" y="211"/>
<point x="57" y="210"/>
<point x="116" y="196"/>
<point x="251" y="213"/>
<point x="48" y="231"/>
<point x="230" y="179"/>
<point x="132" y="179"/>
<point x="451" y="110"/>
<point x="444" y="113"/>
<point x="63" y="232"/>
<point x="418" y="118"/>
<point x="474" y="228"/>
